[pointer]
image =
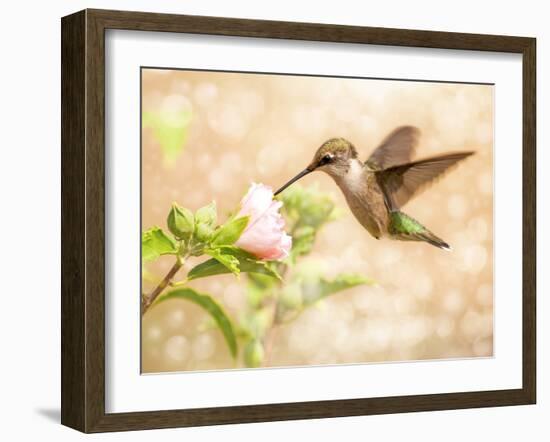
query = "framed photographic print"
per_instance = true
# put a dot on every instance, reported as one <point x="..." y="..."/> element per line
<point x="269" y="220"/>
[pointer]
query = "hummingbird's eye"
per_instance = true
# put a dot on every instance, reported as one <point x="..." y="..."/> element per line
<point x="326" y="159"/>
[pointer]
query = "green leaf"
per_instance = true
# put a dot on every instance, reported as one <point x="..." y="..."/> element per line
<point x="307" y="206"/>
<point x="212" y="307"/>
<point x="154" y="243"/>
<point x="230" y="232"/>
<point x="171" y="131"/>
<point x="302" y="241"/>
<point x="147" y="275"/>
<point x="225" y="259"/>
<point x="246" y="263"/>
<point x="314" y="291"/>
<point x="261" y="282"/>
<point x="180" y="221"/>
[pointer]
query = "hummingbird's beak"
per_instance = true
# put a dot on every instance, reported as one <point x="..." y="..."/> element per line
<point x="296" y="178"/>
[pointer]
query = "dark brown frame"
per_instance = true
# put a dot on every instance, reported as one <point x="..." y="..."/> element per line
<point x="83" y="215"/>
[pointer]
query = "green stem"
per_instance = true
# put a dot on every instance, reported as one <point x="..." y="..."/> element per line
<point x="269" y="338"/>
<point x="269" y="343"/>
<point x="147" y="301"/>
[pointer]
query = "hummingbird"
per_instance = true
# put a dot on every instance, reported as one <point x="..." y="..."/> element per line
<point x="377" y="189"/>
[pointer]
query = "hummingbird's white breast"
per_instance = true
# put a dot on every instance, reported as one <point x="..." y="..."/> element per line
<point x="364" y="197"/>
<point x="354" y="179"/>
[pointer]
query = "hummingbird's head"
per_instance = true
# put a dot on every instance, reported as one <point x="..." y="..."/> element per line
<point x="333" y="157"/>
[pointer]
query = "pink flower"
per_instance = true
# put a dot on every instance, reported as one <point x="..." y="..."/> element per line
<point x="264" y="235"/>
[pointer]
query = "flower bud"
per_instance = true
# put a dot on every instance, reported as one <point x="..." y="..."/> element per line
<point x="207" y="215"/>
<point x="254" y="354"/>
<point x="180" y="222"/>
<point x="205" y="222"/>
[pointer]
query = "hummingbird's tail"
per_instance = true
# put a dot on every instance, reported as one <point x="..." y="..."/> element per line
<point x="406" y="228"/>
<point x="434" y="240"/>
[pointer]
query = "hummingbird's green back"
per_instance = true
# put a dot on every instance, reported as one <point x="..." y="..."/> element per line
<point x="405" y="228"/>
<point x="401" y="223"/>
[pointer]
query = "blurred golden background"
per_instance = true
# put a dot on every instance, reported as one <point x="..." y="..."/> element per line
<point x="233" y="129"/>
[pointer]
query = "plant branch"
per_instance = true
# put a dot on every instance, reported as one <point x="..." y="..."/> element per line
<point x="147" y="301"/>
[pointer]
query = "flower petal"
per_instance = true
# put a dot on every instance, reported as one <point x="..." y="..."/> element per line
<point x="264" y="236"/>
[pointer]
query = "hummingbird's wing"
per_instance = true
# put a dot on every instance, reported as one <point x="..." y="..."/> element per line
<point x="397" y="148"/>
<point x="401" y="183"/>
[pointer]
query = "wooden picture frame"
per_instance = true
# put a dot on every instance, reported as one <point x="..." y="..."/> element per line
<point x="83" y="220"/>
